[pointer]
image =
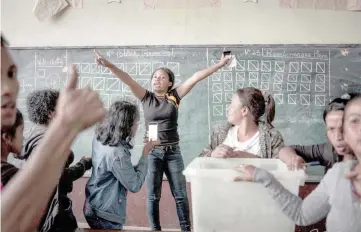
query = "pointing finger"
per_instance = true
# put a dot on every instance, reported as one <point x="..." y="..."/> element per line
<point x="97" y="53"/>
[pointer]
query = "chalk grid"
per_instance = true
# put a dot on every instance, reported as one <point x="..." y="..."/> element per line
<point x="293" y="83"/>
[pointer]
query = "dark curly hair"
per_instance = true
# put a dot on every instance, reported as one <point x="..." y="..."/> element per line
<point x="18" y="122"/>
<point x="255" y="101"/>
<point x="117" y="125"/>
<point x="40" y="104"/>
<point x="170" y="74"/>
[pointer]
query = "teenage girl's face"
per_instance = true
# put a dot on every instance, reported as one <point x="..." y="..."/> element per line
<point x="236" y="111"/>
<point x="9" y="89"/>
<point x="160" y="81"/>
<point x="352" y="127"/>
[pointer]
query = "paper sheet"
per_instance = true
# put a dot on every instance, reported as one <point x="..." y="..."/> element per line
<point x="187" y="4"/>
<point x="194" y="4"/>
<point x="110" y="1"/>
<point x="150" y="4"/>
<point x="354" y="5"/>
<point x="216" y="3"/>
<point x="170" y="4"/>
<point x="341" y="4"/>
<point x="46" y="9"/>
<point x="76" y="3"/>
<point x="233" y="62"/>
<point x="324" y="5"/>
<point x="288" y="3"/>
<point x="305" y="4"/>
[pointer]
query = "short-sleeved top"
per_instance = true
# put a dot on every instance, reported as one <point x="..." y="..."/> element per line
<point x="252" y="145"/>
<point x="164" y="111"/>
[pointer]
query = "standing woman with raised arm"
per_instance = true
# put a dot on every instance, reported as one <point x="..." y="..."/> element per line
<point x="161" y="107"/>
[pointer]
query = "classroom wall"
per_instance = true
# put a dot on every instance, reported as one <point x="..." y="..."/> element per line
<point x="129" y="23"/>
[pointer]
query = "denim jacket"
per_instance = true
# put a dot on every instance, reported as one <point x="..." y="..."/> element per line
<point x="112" y="175"/>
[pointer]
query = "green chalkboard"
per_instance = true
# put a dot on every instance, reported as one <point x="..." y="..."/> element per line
<point x="302" y="79"/>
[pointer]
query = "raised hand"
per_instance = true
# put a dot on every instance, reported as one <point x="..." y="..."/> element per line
<point x="100" y="60"/>
<point x="225" y="59"/>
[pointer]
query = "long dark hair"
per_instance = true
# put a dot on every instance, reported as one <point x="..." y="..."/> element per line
<point x="258" y="103"/>
<point x="170" y="74"/>
<point x="19" y="120"/>
<point x="117" y="126"/>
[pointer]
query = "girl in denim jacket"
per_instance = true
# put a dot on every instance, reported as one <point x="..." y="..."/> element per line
<point x="113" y="173"/>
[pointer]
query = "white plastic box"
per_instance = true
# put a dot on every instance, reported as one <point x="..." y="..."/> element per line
<point x="222" y="205"/>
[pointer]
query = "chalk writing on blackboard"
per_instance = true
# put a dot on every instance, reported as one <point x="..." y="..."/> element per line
<point x="53" y="62"/>
<point x="142" y="53"/>
<point x="302" y="80"/>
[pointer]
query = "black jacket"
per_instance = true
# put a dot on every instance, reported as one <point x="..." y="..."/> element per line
<point x="59" y="216"/>
<point x="323" y="153"/>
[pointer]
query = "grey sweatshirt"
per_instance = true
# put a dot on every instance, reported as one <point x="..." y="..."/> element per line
<point x="333" y="198"/>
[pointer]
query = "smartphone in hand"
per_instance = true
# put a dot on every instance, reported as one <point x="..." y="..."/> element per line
<point x="227" y="54"/>
<point x="153" y="131"/>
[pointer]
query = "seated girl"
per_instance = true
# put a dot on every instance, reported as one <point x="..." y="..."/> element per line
<point x="11" y="142"/>
<point x="113" y="173"/>
<point x="338" y="196"/>
<point x="245" y="136"/>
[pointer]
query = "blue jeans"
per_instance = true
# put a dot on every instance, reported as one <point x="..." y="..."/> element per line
<point x="96" y="222"/>
<point x="168" y="160"/>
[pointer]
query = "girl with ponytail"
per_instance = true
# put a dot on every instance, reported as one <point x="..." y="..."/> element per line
<point x="247" y="135"/>
<point x="270" y="108"/>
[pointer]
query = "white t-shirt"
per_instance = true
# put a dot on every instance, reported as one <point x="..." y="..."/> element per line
<point x="251" y="145"/>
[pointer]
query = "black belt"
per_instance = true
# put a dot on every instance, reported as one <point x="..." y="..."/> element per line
<point x="167" y="147"/>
